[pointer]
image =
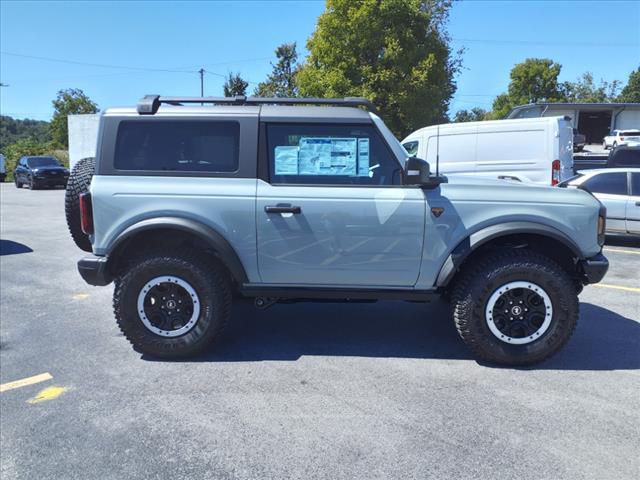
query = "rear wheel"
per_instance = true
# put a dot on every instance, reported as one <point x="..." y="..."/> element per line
<point x="515" y="308"/>
<point x="172" y="305"/>
<point x="78" y="183"/>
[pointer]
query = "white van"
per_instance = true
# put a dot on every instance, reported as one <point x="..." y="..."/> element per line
<point x="538" y="150"/>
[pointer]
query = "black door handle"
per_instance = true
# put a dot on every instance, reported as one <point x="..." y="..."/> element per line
<point x="282" y="209"/>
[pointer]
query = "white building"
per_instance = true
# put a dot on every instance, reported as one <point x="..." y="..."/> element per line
<point x="595" y="120"/>
<point x="83" y="136"/>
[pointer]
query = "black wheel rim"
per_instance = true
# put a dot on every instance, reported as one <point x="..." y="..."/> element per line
<point x="519" y="312"/>
<point x="168" y="306"/>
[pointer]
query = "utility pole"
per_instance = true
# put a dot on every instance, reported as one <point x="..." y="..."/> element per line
<point x="201" y="72"/>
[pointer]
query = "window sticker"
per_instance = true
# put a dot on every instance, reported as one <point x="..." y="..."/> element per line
<point x="286" y="160"/>
<point x="324" y="156"/>
<point x="363" y="158"/>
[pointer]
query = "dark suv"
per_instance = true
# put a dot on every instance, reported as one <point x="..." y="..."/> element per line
<point x="38" y="172"/>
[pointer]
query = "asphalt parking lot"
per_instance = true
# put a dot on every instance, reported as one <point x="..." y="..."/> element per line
<point x="382" y="390"/>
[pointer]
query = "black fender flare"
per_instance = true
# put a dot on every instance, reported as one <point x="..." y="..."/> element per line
<point x="460" y="253"/>
<point x="224" y="251"/>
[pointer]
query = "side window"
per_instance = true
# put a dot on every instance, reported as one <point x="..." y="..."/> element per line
<point x="612" y="183"/>
<point x="330" y="155"/>
<point x="177" y="145"/>
<point x="411" y="148"/>
<point x="635" y="184"/>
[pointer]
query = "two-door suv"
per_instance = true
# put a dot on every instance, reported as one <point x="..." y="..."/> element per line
<point x="194" y="202"/>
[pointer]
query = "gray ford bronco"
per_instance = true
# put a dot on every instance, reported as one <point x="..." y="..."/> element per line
<point x="192" y="203"/>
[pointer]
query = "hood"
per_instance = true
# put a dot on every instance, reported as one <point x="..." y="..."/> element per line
<point x="508" y="191"/>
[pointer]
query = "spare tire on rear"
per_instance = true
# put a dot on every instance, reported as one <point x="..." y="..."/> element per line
<point x="79" y="181"/>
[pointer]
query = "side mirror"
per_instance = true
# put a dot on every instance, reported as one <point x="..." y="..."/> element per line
<point x="416" y="171"/>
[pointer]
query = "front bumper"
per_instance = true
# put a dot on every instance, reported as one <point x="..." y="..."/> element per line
<point x="93" y="270"/>
<point x="594" y="268"/>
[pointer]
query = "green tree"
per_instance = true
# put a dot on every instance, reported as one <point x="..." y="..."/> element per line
<point x="282" y="80"/>
<point x="474" y="115"/>
<point x="396" y="53"/>
<point x="68" y="102"/>
<point x="584" y="90"/>
<point x="631" y="91"/>
<point x="12" y="130"/>
<point x="235" y="85"/>
<point x="534" y="80"/>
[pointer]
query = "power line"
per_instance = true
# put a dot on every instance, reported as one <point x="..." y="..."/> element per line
<point x="537" y="42"/>
<point x="102" y="65"/>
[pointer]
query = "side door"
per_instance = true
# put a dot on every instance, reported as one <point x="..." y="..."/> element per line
<point x="633" y="204"/>
<point x="611" y="188"/>
<point x="331" y="209"/>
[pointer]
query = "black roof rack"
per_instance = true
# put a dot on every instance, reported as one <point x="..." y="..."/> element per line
<point x="149" y="104"/>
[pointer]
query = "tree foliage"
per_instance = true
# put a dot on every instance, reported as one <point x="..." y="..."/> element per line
<point x="12" y="130"/>
<point x="68" y="102"/>
<point x="235" y="85"/>
<point x="396" y="53"/>
<point x="474" y="115"/>
<point x="534" y="80"/>
<point x="282" y="80"/>
<point x="631" y="91"/>
<point x="584" y="90"/>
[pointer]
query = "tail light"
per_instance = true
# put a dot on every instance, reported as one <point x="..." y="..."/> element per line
<point x="86" y="213"/>
<point x="555" y="172"/>
<point x="621" y="139"/>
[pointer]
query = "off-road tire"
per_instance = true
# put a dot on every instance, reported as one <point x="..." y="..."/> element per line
<point x="208" y="278"/>
<point x="482" y="278"/>
<point x="78" y="183"/>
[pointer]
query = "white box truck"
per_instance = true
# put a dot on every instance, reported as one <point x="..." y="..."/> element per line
<point x="537" y="150"/>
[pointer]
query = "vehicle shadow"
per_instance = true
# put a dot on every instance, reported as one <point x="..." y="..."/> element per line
<point x="622" y="241"/>
<point x="9" y="247"/>
<point x="603" y="339"/>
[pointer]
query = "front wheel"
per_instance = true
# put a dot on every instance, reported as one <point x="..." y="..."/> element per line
<point x="172" y="305"/>
<point x="515" y="307"/>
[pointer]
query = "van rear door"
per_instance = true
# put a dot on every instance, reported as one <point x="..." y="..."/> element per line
<point x="563" y="148"/>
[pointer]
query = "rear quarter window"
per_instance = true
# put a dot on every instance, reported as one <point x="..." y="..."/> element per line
<point x="177" y="145"/>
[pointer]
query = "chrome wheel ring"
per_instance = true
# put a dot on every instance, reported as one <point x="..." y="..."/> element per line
<point x="168" y="306"/>
<point x="519" y="312"/>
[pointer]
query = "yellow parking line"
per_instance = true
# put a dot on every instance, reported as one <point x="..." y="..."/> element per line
<point x="616" y="287"/>
<point x="43" y="377"/>
<point x="618" y="250"/>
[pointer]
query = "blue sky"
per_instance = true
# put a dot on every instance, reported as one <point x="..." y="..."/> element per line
<point x="163" y="44"/>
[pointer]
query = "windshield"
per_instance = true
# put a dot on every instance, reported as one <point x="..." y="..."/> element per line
<point x="566" y="183"/>
<point x="35" y="162"/>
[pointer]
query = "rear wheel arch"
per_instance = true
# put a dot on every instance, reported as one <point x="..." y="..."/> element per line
<point x="174" y="233"/>
<point x="543" y="239"/>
